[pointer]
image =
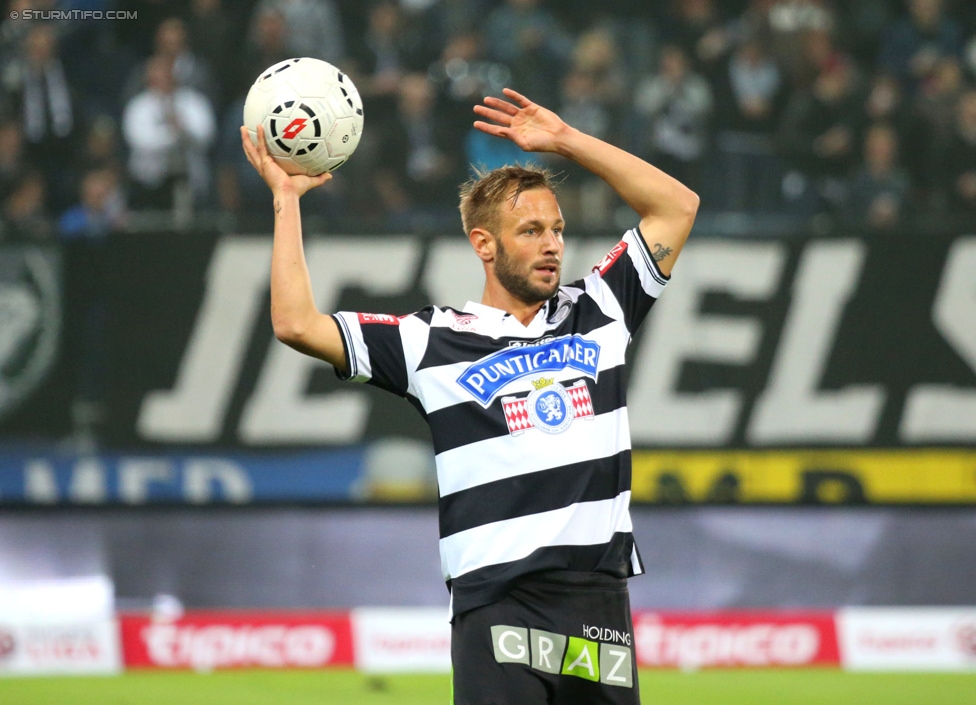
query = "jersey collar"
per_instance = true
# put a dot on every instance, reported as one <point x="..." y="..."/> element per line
<point x="509" y="322"/>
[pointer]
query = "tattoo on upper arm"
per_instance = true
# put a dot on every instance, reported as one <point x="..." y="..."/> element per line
<point x="660" y="252"/>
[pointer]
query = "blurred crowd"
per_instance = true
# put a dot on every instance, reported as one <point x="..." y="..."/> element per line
<point x="863" y="112"/>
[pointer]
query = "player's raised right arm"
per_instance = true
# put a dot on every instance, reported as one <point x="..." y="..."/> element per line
<point x="296" y="321"/>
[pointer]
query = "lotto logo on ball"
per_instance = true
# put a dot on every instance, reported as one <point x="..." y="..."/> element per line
<point x="294" y="127"/>
<point x="311" y="113"/>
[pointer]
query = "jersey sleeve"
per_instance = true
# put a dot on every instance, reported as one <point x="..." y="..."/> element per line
<point x="632" y="276"/>
<point x="374" y="348"/>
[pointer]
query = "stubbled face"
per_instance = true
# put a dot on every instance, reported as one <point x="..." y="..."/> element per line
<point x="529" y="246"/>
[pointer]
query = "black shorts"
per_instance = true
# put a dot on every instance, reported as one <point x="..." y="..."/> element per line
<point x="558" y="638"/>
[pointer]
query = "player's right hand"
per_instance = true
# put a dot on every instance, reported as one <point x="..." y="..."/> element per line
<point x="272" y="173"/>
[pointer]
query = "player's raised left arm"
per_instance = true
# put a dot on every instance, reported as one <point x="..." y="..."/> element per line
<point x="666" y="207"/>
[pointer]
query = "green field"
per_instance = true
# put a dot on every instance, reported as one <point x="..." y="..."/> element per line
<point x="350" y="688"/>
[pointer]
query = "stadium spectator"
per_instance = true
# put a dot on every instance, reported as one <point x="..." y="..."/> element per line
<point x="528" y="39"/>
<point x="419" y="158"/>
<point x="701" y="29"/>
<point x="101" y="208"/>
<point x="785" y="26"/>
<point x="12" y="163"/>
<point x="959" y="157"/>
<point x="313" y="27"/>
<point x="913" y="46"/>
<point x="933" y="118"/>
<point x="189" y="69"/>
<point x="385" y="55"/>
<point x="594" y="94"/>
<point x="818" y="139"/>
<point x="101" y="148"/>
<point x="212" y="36"/>
<point x="594" y="89"/>
<point x="25" y="213"/>
<point x="463" y="76"/>
<point x="673" y="107"/>
<point x="861" y="26"/>
<point x="37" y="91"/>
<point x="13" y="34"/>
<point x="879" y="193"/>
<point x="441" y="20"/>
<point x="750" y="96"/>
<point x="267" y="45"/>
<point x="884" y="101"/>
<point x="168" y="131"/>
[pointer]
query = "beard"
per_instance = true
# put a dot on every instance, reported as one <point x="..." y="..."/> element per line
<point x="518" y="283"/>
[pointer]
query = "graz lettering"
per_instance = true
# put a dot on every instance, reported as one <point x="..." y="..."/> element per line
<point x="590" y="659"/>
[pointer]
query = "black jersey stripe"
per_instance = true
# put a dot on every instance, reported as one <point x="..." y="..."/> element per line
<point x="491" y="583"/>
<point x="625" y="284"/>
<point x="460" y="424"/>
<point x="535" y="492"/>
<point x="584" y="317"/>
<point x="447" y="347"/>
<point x="386" y="358"/>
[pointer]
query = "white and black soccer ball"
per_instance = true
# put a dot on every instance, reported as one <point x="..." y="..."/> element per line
<point x="311" y="112"/>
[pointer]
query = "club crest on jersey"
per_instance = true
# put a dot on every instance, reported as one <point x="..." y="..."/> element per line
<point x="462" y="322"/>
<point x="485" y="378"/>
<point x="551" y="407"/>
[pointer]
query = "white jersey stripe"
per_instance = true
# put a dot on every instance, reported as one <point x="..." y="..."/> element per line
<point x="359" y="368"/>
<point x="502" y="457"/>
<point x="650" y="276"/>
<point x="582" y="524"/>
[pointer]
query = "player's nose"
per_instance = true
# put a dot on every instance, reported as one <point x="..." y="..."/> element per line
<point x="551" y="243"/>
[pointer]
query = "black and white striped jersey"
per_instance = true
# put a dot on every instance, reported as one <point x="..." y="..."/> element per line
<point x="529" y="423"/>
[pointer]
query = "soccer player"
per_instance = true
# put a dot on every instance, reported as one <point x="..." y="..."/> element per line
<point x="524" y="393"/>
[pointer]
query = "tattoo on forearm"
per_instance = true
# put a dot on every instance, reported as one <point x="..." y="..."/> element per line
<point x="660" y="252"/>
<point x="277" y="207"/>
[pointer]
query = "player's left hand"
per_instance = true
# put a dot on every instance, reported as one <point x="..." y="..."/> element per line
<point x="530" y="126"/>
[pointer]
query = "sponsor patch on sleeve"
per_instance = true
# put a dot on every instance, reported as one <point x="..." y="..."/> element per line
<point x="611" y="257"/>
<point x="383" y="318"/>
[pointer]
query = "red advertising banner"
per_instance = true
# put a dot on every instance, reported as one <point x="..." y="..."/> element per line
<point x="212" y="640"/>
<point x="735" y="639"/>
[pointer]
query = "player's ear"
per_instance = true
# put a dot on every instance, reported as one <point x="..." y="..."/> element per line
<point x="483" y="243"/>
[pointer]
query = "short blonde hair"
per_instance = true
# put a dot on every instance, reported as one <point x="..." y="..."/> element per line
<point x="482" y="195"/>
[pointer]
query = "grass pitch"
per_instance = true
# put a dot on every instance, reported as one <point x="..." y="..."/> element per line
<point x="342" y="687"/>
